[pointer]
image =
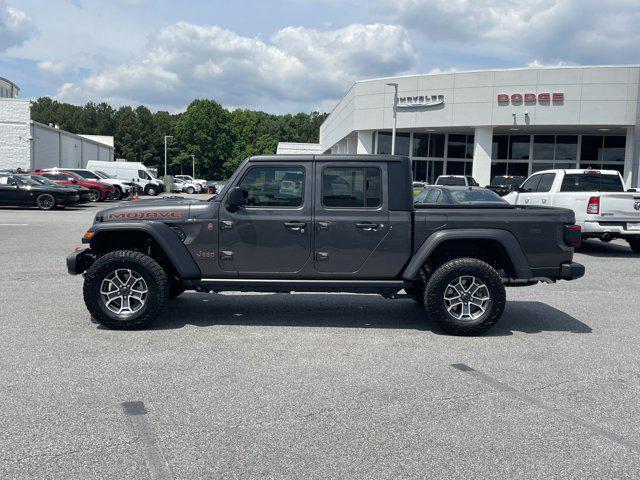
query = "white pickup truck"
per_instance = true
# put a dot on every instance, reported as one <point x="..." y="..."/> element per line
<point x="602" y="207"/>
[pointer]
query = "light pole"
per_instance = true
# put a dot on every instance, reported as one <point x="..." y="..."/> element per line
<point x="165" y="153"/>
<point x="193" y="165"/>
<point x="395" y="116"/>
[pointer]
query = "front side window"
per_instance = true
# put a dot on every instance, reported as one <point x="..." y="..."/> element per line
<point x="143" y="175"/>
<point x="274" y="186"/>
<point x="351" y="187"/>
<point x="88" y="174"/>
<point x="531" y="185"/>
<point x="546" y="182"/>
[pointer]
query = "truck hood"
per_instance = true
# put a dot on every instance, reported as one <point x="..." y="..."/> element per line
<point x="162" y="209"/>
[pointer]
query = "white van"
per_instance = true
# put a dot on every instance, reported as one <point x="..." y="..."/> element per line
<point x="130" y="171"/>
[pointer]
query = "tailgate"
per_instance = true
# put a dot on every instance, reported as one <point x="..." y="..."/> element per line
<point x="621" y="207"/>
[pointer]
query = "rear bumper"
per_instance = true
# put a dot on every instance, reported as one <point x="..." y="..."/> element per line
<point x="611" y="228"/>
<point x="571" y="271"/>
<point x="79" y="261"/>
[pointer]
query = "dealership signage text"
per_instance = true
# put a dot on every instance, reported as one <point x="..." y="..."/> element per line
<point x="517" y="98"/>
<point x="420" y="101"/>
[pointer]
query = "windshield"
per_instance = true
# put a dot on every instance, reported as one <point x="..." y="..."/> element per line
<point x="101" y="174"/>
<point x="467" y="197"/>
<point x="508" y="181"/>
<point x="24" y="181"/>
<point x="452" y="181"/>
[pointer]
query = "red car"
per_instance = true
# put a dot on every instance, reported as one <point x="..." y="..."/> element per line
<point x="98" y="190"/>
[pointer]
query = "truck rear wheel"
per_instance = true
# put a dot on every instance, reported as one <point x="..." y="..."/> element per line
<point x="465" y="296"/>
<point x="125" y="289"/>
<point x="634" y="243"/>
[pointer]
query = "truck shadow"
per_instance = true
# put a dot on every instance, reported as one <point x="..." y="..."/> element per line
<point x="346" y="311"/>
<point x="615" y="249"/>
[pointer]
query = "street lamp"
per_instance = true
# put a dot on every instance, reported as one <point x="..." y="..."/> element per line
<point x="395" y="116"/>
<point x="165" y="153"/>
<point x="193" y="165"/>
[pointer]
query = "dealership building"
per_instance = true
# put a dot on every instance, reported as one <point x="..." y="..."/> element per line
<point x="27" y="144"/>
<point x="495" y="122"/>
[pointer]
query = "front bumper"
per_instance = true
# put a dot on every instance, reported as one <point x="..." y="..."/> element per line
<point x="571" y="271"/>
<point x="68" y="200"/>
<point x="79" y="261"/>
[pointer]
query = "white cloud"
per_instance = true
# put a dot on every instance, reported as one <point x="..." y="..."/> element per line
<point x="56" y="68"/>
<point x="552" y="31"/>
<point x="297" y="68"/>
<point x="15" y="27"/>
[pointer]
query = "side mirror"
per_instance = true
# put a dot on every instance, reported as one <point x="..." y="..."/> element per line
<point x="236" y="199"/>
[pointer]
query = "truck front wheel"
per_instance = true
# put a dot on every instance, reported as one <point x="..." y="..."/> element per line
<point x="125" y="289"/>
<point x="465" y="296"/>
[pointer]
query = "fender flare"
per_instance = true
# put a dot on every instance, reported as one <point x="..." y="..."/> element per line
<point x="505" y="238"/>
<point x="167" y="240"/>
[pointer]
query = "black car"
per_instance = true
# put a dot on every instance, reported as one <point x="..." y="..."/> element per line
<point x="22" y="190"/>
<point x="83" y="192"/>
<point x="503" y="184"/>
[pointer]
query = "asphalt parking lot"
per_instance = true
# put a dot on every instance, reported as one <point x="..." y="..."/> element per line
<point x="313" y="386"/>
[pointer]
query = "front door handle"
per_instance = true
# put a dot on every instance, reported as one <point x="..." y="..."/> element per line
<point x="296" y="226"/>
<point x="369" y="226"/>
<point x="526" y="200"/>
<point x="544" y="200"/>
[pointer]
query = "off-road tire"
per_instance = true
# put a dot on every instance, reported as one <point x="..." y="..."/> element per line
<point x="94" y="195"/>
<point x="45" y="201"/>
<point x="634" y="243"/>
<point x="448" y="272"/>
<point x="152" y="273"/>
<point x="151" y="190"/>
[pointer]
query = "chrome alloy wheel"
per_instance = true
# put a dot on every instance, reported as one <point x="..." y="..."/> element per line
<point x="124" y="292"/>
<point x="466" y="298"/>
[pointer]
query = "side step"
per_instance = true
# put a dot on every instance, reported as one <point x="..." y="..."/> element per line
<point x="384" y="287"/>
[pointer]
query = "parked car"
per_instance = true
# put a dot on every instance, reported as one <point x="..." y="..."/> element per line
<point x="456" y="180"/>
<point x="189" y="178"/>
<point x="21" y="190"/>
<point x="122" y="187"/>
<point x="83" y="192"/>
<point x="468" y="196"/>
<point x="503" y="184"/>
<point x="183" y="186"/>
<point x="130" y="172"/>
<point x="320" y="223"/>
<point x="598" y="198"/>
<point x="98" y="191"/>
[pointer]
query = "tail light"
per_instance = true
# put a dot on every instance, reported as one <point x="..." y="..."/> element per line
<point x="573" y="235"/>
<point x="593" y="207"/>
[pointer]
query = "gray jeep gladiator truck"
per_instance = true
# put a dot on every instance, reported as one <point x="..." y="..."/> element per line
<point x="323" y="223"/>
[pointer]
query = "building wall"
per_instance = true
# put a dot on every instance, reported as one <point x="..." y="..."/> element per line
<point x="15" y="133"/>
<point x="592" y="96"/>
<point x="53" y="147"/>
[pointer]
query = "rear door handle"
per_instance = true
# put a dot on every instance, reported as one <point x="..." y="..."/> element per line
<point x="369" y="226"/>
<point x="296" y="226"/>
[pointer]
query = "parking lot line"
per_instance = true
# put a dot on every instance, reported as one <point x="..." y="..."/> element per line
<point x="503" y="387"/>
<point x="156" y="463"/>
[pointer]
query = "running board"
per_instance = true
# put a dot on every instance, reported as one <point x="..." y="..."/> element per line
<point x="283" y="285"/>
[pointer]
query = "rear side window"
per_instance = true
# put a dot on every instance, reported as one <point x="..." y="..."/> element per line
<point x="351" y="187"/>
<point x="588" y="182"/>
<point x="531" y="185"/>
<point x="274" y="186"/>
<point x="546" y="182"/>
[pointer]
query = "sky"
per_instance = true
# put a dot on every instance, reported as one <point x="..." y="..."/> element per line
<point x="289" y="56"/>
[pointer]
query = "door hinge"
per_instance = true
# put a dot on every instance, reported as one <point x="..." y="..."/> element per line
<point x="322" y="256"/>
<point x="226" y="255"/>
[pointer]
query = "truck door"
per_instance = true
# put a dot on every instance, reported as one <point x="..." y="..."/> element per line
<point x="527" y="190"/>
<point x="270" y="234"/>
<point x="351" y="214"/>
<point x="542" y="195"/>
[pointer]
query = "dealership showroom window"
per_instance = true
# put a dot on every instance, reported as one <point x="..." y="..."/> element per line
<point x="516" y="154"/>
